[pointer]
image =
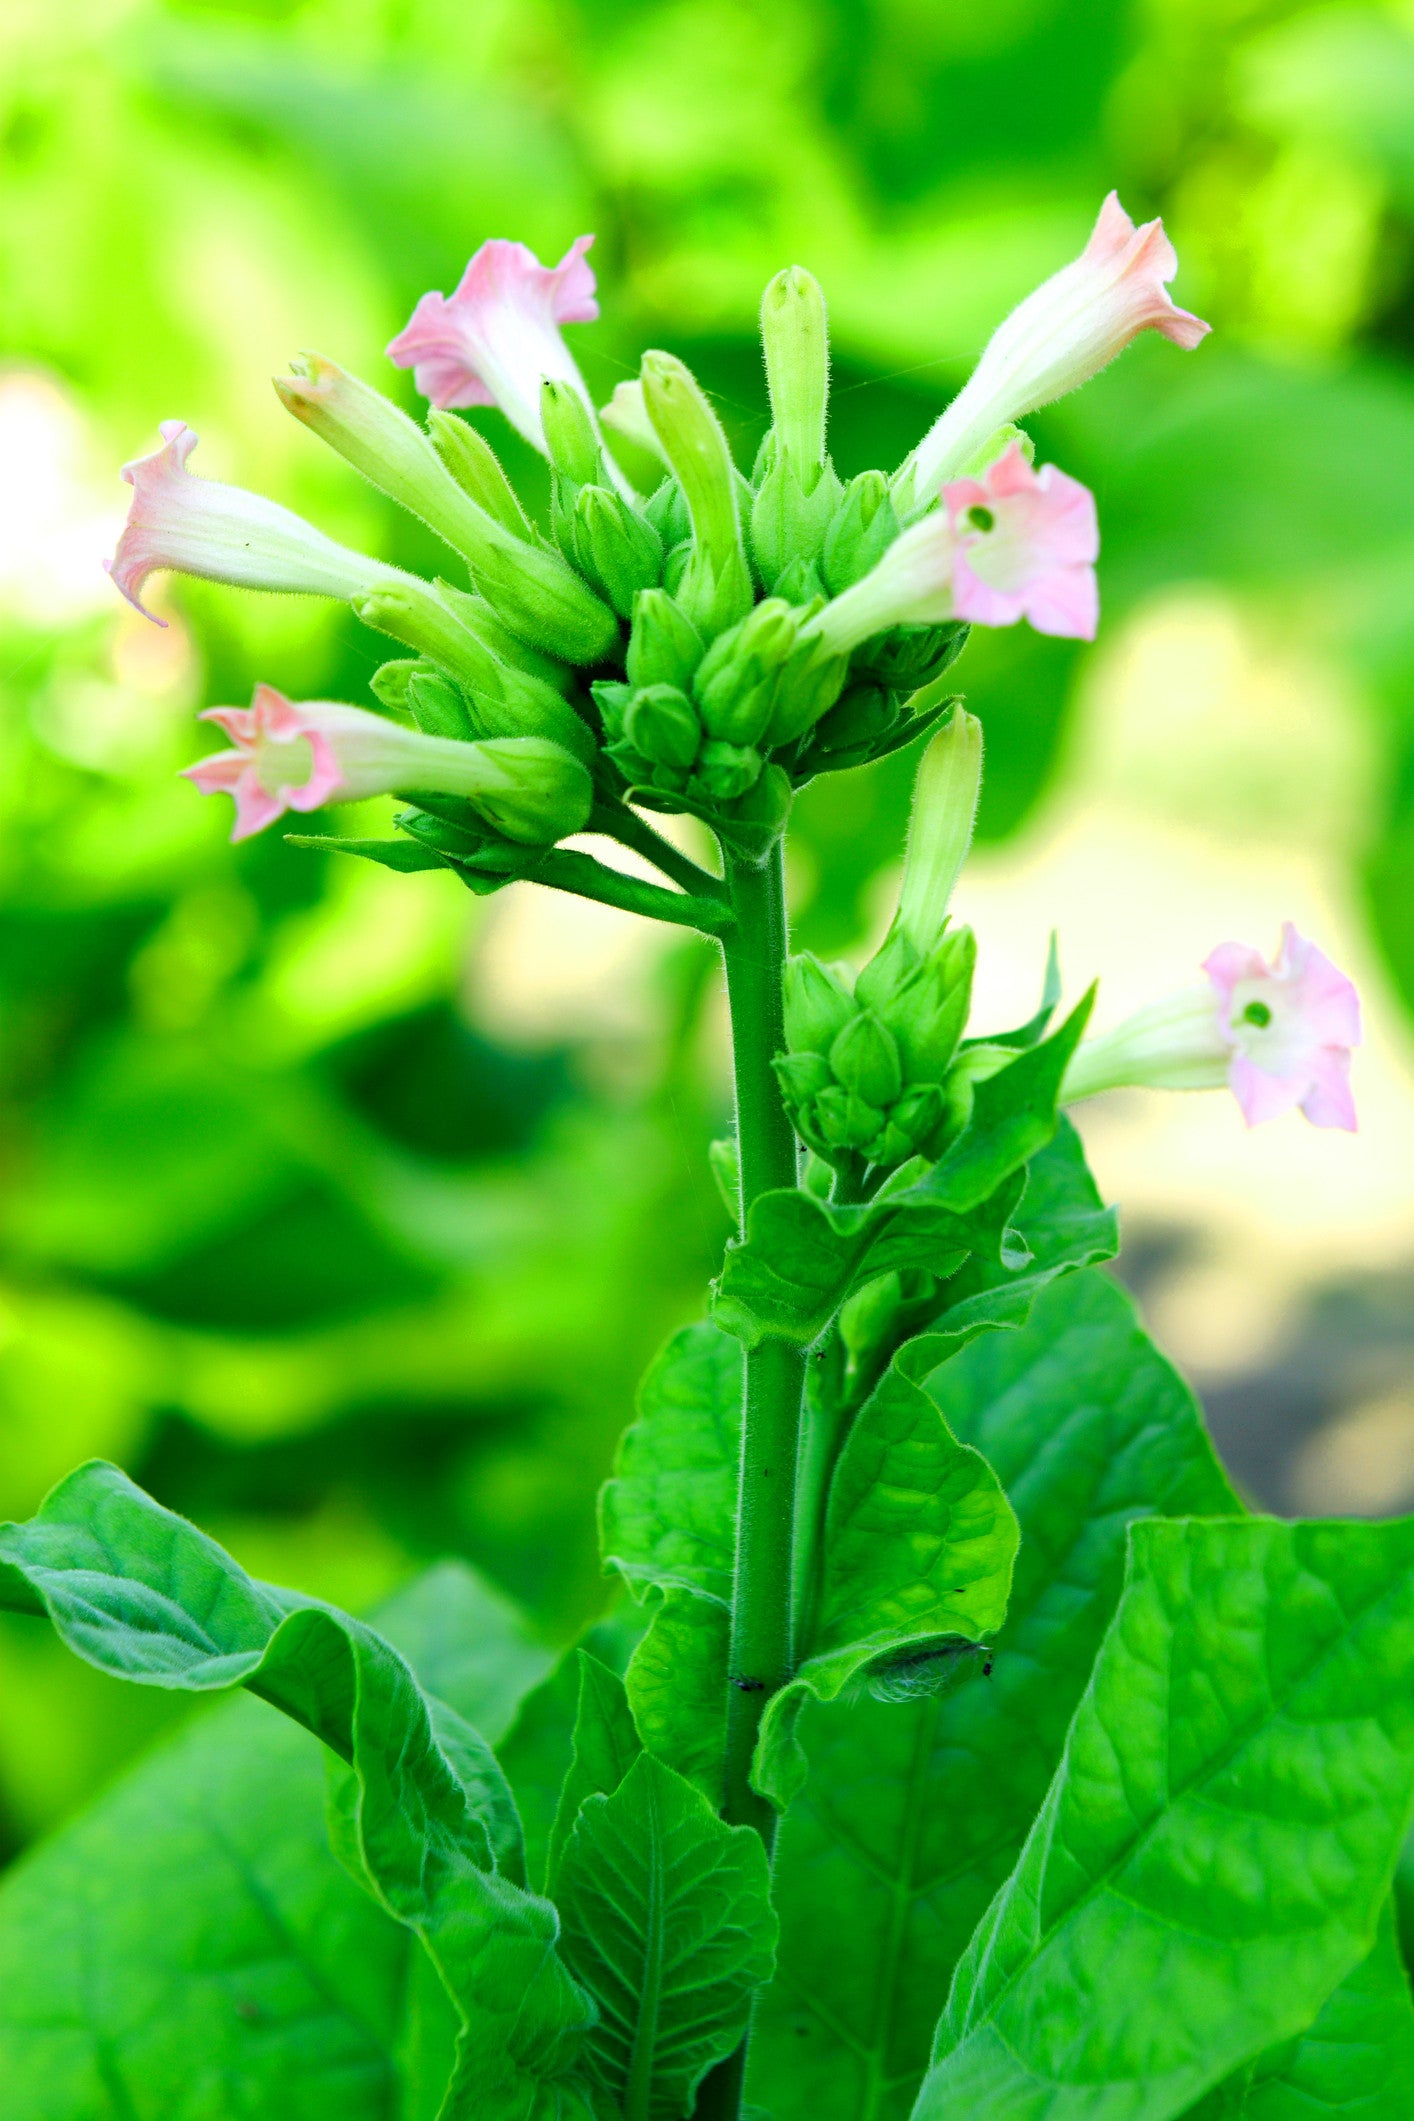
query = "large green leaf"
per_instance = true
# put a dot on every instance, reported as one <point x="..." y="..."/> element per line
<point x="604" y="1748"/>
<point x="1221" y="1832"/>
<point x="668" y="1924"/>
<point x="802" y="1257"/>
<point x="144" y="1595"/>
<point x="669" y="1513"/>
<point x="1355" y="2062"/>
<point x="677" y="1686"/>
<point x="189" y="1950"/>
<point x="914" y="1811"/>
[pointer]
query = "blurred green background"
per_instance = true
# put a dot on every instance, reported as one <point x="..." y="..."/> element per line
<point x="344" y="1210"/>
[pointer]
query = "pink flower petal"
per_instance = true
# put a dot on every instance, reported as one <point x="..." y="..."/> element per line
<point x="1024" y="545"/>
<point x="1261" y="1096"/>
<point x="1329" y="1102"/>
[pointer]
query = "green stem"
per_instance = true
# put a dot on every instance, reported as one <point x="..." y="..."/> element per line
<point x="760" y="1659"/>
<point x="618" y="822"/>
<point x="566" y="869"/>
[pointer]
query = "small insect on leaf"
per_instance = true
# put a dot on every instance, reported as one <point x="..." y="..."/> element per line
<point x="750" y="1686"/>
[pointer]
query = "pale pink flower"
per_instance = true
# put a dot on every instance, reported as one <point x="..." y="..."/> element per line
<point x="199" y="526"/>
<point x="1014" y="543"/>
<point x="1277" y="1035"/>
<point x="1061" y="335"/>
<point x="1290" y="1027"/>
<point x="1026" y="543"/>
<point x="300" y="755"/>
<point x="495" y="340"/>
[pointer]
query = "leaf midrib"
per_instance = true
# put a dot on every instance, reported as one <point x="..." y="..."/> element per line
<point x="638" y="2090"/>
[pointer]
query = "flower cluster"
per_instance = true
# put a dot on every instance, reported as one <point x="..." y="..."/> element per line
<point x="682" y="638"/>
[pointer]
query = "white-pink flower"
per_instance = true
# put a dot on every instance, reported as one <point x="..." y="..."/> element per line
<point x="1014" y="543"/>
<point x="1279" y="1036"/>
<point x="1289" y="1027"/>
<point x="498" y="336"/>
<point x="199" y="526"/>
<point x="1025" y="546"/>
<point x="1061" y="335"/>
<point x="300" y="755"/>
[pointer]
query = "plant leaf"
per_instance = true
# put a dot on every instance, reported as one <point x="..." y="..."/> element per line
<point x="677" y="1686"/>
<point x="915" y="1811"/>
<point x="667" y="1515"/>
<point x="604" y="1748"/>
<point x="802" y="1257"/>
<point x="406" y="856"/>
<point x="188" y="1948"/>
<point x="1222" y="1830"/>
<point x="668" y="1924"/>
<point x="918" y="1550"/>
<point x="1355" y="2062"/>
<point x="144" y="1595"/>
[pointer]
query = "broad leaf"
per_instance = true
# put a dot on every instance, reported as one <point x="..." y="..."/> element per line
<point x="668" y="1925"/>
<point x="189" y="1950"/>
<point x="915" y="1811"/>
<point x="604" y="1748"/>
<point x="668" y="1514"/>
<point x="1354" y="2063"/>
<point x="802" y="1257"/>
<point x="1221" y="1832"/>
<point x="916" y="1555"/>
<point x="406" y="856"/>
<point x="144" y="1595"/>
<point x="677" y="1686"/>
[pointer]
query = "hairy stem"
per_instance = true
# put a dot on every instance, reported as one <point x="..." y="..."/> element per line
<point x="761" y="1648"/>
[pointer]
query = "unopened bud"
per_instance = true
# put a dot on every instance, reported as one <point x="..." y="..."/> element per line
<point x="630" y="435"/>
<point x="726" y="771"/>
<point x="664" y="647"/>
<point x="533" y="790"/>
<point x="818" y="1005"/>
<point x="716" y="586"/>
<point x="860" y="716"/>
<point x="940" y="828"/>
<point x="865" y="1059"/>
<point x="614" y="546"/>
<point x="541" y="598"/>
<point x="845" y="1119"/>
<point x="473" y="463"/>
<point x="661" y="724"/>
<point x="570" y="440"/>
<point x="808" y="686"/>
<point x="863" y="528"/>
<point x="795" y="337"/>
<point x="389" y="683"/>
<point x="788" y="525"/>
<point x="438" y="706"/>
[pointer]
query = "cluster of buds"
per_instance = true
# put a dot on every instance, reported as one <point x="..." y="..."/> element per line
<point x="870" y="1063"/>
<point x="690" y="638"/>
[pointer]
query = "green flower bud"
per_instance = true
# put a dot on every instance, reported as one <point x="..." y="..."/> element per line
<point x="917" y="1118"/>
<point x="473" y="463"/>
<point x="413" y="612"/>
<point x="844" y="1118"/>
<point x="818" y="1005"/>
<point x="507" y="647"/>
<point x="759" y="817"/>
<point x="437" y="705"/>
<point x="801" y="582"/>
<point x="716" y="585"/>
<point x="389" y="684"/>
<point x="865" y="1059"/>
<point x="861" y="715"/>
<point x="613" y="699"/>
<point x="664" y="647"/>
<point x="613" y="545"/>
<point x="726" y="771"/>
<point x="863" y="528"/>
<point x="945" y="796"/>
<point x="666" y="510"/>
<point x="807" y="688"/>
<point x="629" y="433"/>
<point x="892" y="965"/>
<point x="802" y="1075"/>
<point x="908" y="657"/>
<point x="542" y="599"/>
<point x="534" y="790"/>
<point x="788" y="525"/>
<point x="570" y="440"/>
<point x="795" y="339"/>
<point x="662" y="725"/>
<point x="870" y="1317"/>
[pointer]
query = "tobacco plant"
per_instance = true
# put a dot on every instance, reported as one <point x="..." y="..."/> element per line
<point x="957" y="1746"/>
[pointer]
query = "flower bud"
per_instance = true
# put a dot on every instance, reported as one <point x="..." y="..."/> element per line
<point x="863" y="528"/>
<point x="716" y="586"/>
<point x="846" y="1120"/>
<point x="795" y="339"/>
<point x="570" y="440"/>
<point x="818" y="1005"/>
<point x="542" y="599"/>
<point x="630" y="435"/>
<point x="802" y="1076"/>
<point x="861" y="715"/>
<point x="620" y="553"/>
<point x="660" y="723"/>
<point x="726" y="771"/>
<point x="389" y="684"/>
<point x="664" y="647"/>
<point x="927" y="1009"/>
<point x="532" y="789"/>
<point x="789" y="525"/>
<point x="507" y="647"/>
<point x="380" y="441"/>
<point x="473" y="463"/>
<point x="944" y="811"/>
<point x="808" y="686"/>
<point x="437" y="705"/>
<point x="758" y="818"/>
<point x="865" y="1059"/>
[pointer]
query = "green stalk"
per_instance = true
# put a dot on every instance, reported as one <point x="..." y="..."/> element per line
<point x="761" y="1660"/>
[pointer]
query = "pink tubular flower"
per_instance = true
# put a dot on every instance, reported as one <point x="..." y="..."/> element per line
<point x="1290" y="1027"/>
<point x="198" y="526"/>
<point x="1014" y="543"/>
<point x="298" y="756"/>
<point x="1026" y="543"/>
<point x="1277" y="1035"/>
<point x="1065" y="332"/>
<point x="498" y="336"/>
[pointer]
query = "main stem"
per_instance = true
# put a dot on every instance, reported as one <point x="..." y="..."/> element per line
<point x="761" y="1659"/>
